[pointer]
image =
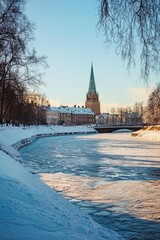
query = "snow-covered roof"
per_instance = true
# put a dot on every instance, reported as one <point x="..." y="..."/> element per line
<point x="74" y="110"/>
<point x="53" y="109"/>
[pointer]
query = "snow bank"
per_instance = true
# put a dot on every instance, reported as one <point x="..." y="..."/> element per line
<point x="20" y="136"/>
<point x="149" y="133"/>
<point x="31" y="210"/>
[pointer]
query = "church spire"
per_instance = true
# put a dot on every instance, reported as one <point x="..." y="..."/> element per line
<point x="92" y="98"/>
<point x="92" y="85"/>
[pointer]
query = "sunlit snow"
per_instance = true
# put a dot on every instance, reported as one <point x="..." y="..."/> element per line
<point x="31" y="210"/>
<point x="114" y="177"/>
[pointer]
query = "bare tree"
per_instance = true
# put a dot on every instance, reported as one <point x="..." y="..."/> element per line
<point x="40" y="103"/>
<point x="152" y="111"/>
<point x="18" y="60"/>
<point x="133" y="25"/>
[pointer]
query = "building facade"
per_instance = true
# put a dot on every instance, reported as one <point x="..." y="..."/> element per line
<point x="52" y="116"/>
<point x="119" y="119"/>
<point x="92" y="97"/>
<point x="70" y="115"/>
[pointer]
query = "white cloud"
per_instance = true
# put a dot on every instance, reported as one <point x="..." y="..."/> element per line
<point x="106" y="107"/>
<point x="54" y="103"/>
<point x="136" y="95"/>
<point x="140" y="94"/>
<point x="57" y="103"/>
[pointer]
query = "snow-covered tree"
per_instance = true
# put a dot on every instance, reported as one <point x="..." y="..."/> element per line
<point x="152" y="111"/>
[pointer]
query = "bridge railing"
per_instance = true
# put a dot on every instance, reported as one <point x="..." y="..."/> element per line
<point x="117" y="125"/>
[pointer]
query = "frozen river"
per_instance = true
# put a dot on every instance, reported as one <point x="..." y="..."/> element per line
<point x="114" y="177"/>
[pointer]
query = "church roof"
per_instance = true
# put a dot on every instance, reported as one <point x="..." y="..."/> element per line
<point x="92" y="85"/>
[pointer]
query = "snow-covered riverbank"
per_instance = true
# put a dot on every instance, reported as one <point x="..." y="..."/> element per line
<point x="12" y="138"/>
<point x="149" y="133"/>
<point x="29" y="209"/>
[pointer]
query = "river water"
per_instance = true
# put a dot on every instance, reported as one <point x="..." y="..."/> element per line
<point x="115" y="178"/>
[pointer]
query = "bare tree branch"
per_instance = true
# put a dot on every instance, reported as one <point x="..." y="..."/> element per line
<point x="133" y="24"/>
<point x="18" y="60"/>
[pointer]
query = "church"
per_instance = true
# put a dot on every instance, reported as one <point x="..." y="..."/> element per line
<point x="92" y="97"/>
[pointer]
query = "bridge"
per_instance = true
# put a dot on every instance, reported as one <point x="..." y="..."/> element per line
<point x="109" y="129"/>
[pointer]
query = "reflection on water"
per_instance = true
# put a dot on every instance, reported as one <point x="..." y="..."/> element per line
<point x="113" y="177"/>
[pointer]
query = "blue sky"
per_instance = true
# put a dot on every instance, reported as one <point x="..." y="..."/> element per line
<point x="66" y="32"/>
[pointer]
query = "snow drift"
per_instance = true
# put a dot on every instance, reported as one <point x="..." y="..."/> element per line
<point x="149" y="133"/>
<point x="29" y="209"/>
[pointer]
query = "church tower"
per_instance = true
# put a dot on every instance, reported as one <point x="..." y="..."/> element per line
<point x="92" y="98"/>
